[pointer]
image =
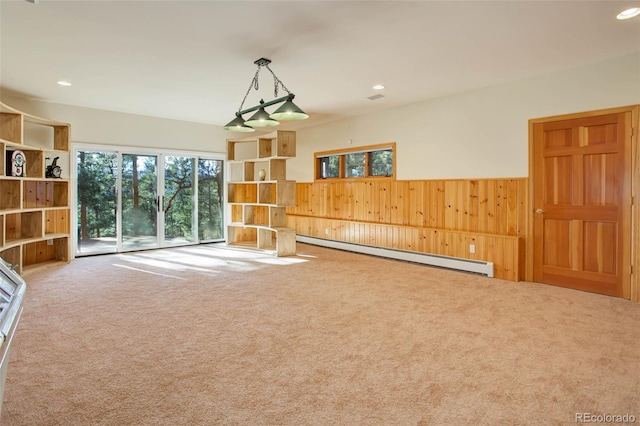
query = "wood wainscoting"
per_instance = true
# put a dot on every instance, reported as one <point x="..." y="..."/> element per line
<point x="442" y="217"/>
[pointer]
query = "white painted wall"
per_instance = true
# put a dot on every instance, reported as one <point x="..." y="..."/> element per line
<point x="476" y="134"/>
<point x="94" y="126"/>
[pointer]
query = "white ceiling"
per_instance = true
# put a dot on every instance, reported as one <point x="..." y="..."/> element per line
<point x="193" y="60"/>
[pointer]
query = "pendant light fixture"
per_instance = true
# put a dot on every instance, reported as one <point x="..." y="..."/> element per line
<point x="287" y="111"/>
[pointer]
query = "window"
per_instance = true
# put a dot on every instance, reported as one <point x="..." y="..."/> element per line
<point x="381" y="163"/>
<point x="373" y="161"/>
<point x="330" y="166"/>
<point x="355" y="164"/>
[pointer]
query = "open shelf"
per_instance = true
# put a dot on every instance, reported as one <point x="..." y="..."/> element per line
<point x="9" y="194"/>
<point x="34" y="210"/>
<point x="45" y="193"/>
<point x="23" y="226"/>
<point x="51" y="250"/>
<point x="242" y="193"/>
<point x="280" y="241"/>
<point x="258" y="192"/>
<point x="13" y="256"/>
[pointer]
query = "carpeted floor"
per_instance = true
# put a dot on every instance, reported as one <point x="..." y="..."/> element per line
<point x="207" y="335"/>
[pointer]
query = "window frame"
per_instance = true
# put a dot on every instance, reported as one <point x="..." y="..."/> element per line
<point x="341" y="153"/>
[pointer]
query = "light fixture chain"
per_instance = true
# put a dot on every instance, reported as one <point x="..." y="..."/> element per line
<point x="254" y="84"/>
<point x="277" y="82"/>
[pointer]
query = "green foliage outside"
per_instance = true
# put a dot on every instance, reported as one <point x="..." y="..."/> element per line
<point x="97" y="196"/>
<point x="210" y="184"/>
<point x="381" y="163"/>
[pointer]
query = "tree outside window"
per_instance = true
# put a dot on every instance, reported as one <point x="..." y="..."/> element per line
<point x="355" y="164"/>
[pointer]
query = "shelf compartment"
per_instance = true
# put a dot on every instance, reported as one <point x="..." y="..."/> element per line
<point x="51" y="250"/>
<point x="236" y="213"/>
<point x="12" y="256"/>
<point x="243" y="236"/>
<point x="46" y="134"/>
<point x="267" y="239"/>
<point x="277" y="169"/>
<point x="274" y="169"/>
<point x="61" y="137"/>
<point x="242" y="193"/>
<point x="277" y="217"/>
<point x="282" y="144"/>
<point x="281" y="193"/>
<point x="11" y="127"/>
<point x="9" y="194"/>
<point x="256" y="215"/>
<point x="50" y="193"/>
<point x="56" y="222"/>
<point x="23" y="226"/>
<point x="280" y="240"/>
<point x="241" y="149"/>
<point x="34" y="167"/>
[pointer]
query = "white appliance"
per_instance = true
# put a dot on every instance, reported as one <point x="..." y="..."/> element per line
<point x="12" y="289"/>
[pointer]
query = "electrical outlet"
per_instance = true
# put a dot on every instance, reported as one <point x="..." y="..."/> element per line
<point x="472" y="248"/>
<point x="49" y="242"/>
<point x="326" y="231"/>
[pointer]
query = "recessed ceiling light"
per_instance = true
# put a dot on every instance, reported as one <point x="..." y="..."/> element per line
<point x="629" y="13"/>
<point x="64" y="83"/>
<point x="378" y="87"/>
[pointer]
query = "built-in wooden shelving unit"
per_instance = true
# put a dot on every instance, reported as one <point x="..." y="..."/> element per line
<point x="258" y="192"/>
<point x="34" y="210"/>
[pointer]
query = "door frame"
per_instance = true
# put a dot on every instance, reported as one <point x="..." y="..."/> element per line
<point x="125" y="149"/>
<point x="634" y="227"/>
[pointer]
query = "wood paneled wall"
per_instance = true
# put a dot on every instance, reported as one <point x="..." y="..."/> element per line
<point x="432" y="216"/>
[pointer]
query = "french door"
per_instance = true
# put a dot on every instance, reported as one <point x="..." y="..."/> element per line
<point x="135" y="200"/>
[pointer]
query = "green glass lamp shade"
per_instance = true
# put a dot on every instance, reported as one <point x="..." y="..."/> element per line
<point x="289" y="111"/>
<point x="261" y="119"/>
<point x="238" y="125"/>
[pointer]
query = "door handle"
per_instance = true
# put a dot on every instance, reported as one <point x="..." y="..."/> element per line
<point x="539" y="211"/>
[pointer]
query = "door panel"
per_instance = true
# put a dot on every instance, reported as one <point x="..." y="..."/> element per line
<point x="97" y="200"/>
<point x="139" y="201"/>
<point x="582" y="193"/>
<point x="177" y="204"/>
<point x="210" y="199"/>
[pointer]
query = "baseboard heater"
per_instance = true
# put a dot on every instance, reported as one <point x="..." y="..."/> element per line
<point x="475" y="266"/>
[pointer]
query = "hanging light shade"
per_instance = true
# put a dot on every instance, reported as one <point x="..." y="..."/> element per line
<point x="237" y="125"/>
<point x="289" y="111"/>
<point x="261" y="119"/>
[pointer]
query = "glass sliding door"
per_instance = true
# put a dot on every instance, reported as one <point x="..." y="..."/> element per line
<point x="210" y="200"/>
<point x="142" y="199"/>
<point x="97" y="200"/>
<point x="140" y="202"/>
<point x="177" y="201"/>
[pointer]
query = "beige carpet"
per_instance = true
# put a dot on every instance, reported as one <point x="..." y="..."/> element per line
<point x="207" y="335"/>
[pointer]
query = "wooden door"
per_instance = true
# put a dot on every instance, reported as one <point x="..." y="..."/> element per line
<point x="582" y="202"/>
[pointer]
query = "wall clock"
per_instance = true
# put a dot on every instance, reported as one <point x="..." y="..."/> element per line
<point x="18" y="163"/>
